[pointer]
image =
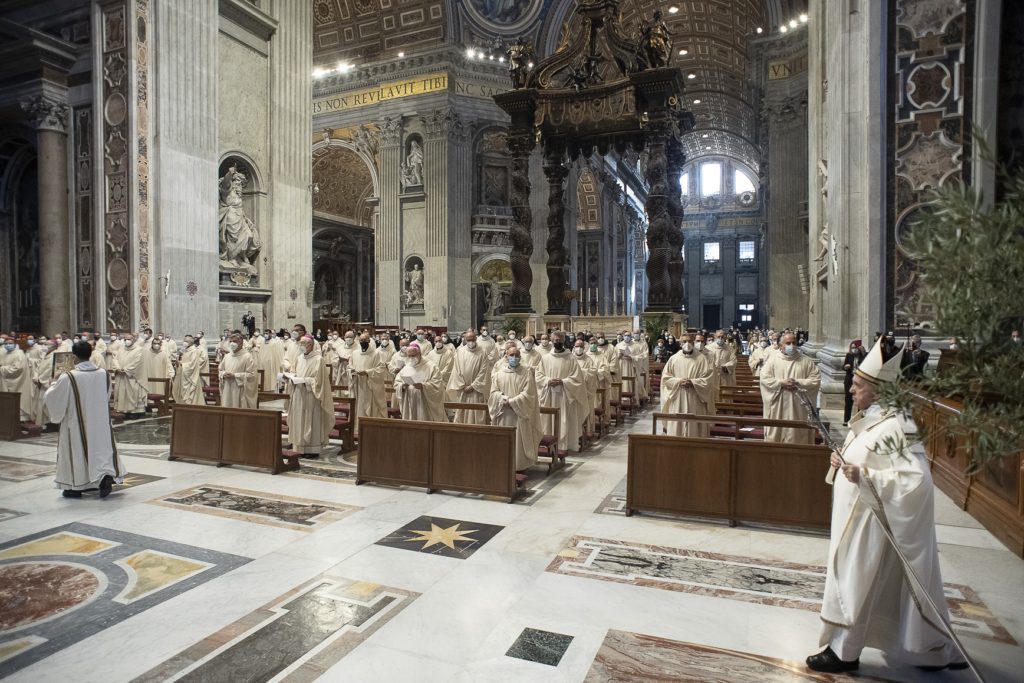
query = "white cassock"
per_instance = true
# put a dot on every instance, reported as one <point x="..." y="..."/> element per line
<point x="156" y="364"/>
<point x="725" y="360"/>
<point x="129" y="389"/>
<point x="472" y="367"/>
<point x="693" y="399"/>
<point x="311" y="409"/>
<point x="65" y="346"/>
<point x="490" y="348"/>
<point x="641" y="359"/>
<point x="626" y="367"/>
<point x="531" y="358"/>
<point x="86" y="451"/>
<point x="604" y="379"/>
<point x="16" y="377"/>
<point x="588" y="366"/>
<point x="343" y="365"/>
<point x="868" y="601"/>
<point x="444" y="360"/>
<point x="189" y="380"/>
<point x="242" y="390"/>
<point x="569" y="396"/>
<point x="368" y="389"/>
<point x="426" y="404"/>
<point x="784" y="404"/>
<point x="513" y="403"/>
<point x="386" y="350"/>
<point x="716" y="387"/>
<point x="269" y="360"/>
<point x="757" y="358"/>
<point x="42" y="373"/>
<point x="35" y="352"/>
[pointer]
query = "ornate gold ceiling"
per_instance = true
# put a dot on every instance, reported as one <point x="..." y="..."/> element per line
<point x="716" y="35"/>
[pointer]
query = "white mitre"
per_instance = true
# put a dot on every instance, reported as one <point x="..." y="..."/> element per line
<point x="876" y="369"/>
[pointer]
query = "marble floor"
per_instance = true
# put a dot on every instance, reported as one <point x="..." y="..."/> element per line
<point x="190" y="572"/>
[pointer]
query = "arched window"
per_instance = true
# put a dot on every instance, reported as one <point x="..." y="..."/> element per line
<point x="684" y="182"/>
<point x="742" y="182"/>
<point x="710" y="178"/>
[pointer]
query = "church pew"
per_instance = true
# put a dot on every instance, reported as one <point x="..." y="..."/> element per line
<point x="733" y="426"/>
<point x="738" y="480"/>
<point x="229" y="436"/>
<point x="438" y="456"/>
<point x="160" y="400"/>
<point x="615" y="404"/>
<point x="344" y="422"/>
<point x="627" y="395"/>
<point x="740" y="409"/>
<point x="600" y="416"/>
<point x="10" y="414"/>
<point x="739" y="394"/>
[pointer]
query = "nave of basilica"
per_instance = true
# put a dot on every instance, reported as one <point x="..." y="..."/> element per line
<point x="511" y="340"/>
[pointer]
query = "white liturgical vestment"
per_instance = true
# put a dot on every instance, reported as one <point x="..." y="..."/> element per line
<point x="513" y="403"/>
<point x="569" y="397"/>
<point x="241" y="390"/>
<point x="693" y="398"/>
<point x="16" y="377"/>
<point x="472" y="368"/>
<point x="426" y="403"/>
<point x="311" y="409"/>
<point x="129" y="389"/>
<point x="785" y="404"/>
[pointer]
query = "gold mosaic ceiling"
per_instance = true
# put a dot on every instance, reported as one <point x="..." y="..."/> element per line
<point x="716" y="34"/>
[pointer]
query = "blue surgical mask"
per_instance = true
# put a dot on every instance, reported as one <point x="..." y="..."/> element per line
<point x="627" y="338"/>
<point x="789" y="349"/>
<point x="513" y="362"/>
<point x="31" y="342"/>
<point x="8" y="347"/>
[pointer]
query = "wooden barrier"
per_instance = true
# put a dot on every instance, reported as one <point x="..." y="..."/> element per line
<point x="229" y="436"/>
<point x="732" y="479"/>
<point x="438" y="456"/>
<point x="10" y="415"/>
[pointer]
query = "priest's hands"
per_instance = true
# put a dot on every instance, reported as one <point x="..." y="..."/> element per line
<point x="835" y="460"/>
<point x="789" y="384"/>
<point x="555" y="382"/>
<point x="685" y="383"/>
<point x="852" y="473"/>
<point x="418" y="386"/>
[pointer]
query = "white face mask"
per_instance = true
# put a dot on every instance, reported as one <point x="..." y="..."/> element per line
<point x="546" y="343"/>
<point x="627" y="338"/>
<point x="438" y="346"/>
<point x="129" y="343"/>
<point x="483" y="333"/>
<point x="511" y="335"/>
<point x="698" y="345"/>
<point x="233" y="346"/>
<point x="789" y="349"/>
<point x="764" y="345"/>
<point x="414" y="361"/>
<point x="349" y="341"/>
<point x="719" y="342"/>
<point x="578" y="350"/>
<point x="687" y="347"/>
<point x="528" y="346"/>
<point x="471" y="345"/>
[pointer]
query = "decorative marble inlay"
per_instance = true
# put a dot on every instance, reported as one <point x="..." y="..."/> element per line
<point x="543" y="647"/>
<point x="634" y="657"/>
<point x="6" y="514"/>
<point x="24" y="469"/>
<point x="441" y="536"/>
<point x="156" y="432"/>
<point x="150" y="571"/>
<point x="301" y="514"/>
<point x="765" y="582"/>
<point x="68" y="593"/>
<point x="928" y="160"/>
<point x="303" y="632"/>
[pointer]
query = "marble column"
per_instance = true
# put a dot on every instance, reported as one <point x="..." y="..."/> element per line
<point x="388" y="242"/>
<point x="555" y="171"/>
<point x="520" y="144"/>
<point x="50" y="118"/>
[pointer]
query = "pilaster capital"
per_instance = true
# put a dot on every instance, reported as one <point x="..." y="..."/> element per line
<point x="390" y="131"/>
<point x="445" y="123"/>
<point x="47" y="112"/>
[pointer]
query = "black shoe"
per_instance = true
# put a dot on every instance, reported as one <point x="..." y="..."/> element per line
<point x="68" y="493"/>
<point x="106" y="485"/>
<point x="828" y="661"/>
<point x="954" y="666"/>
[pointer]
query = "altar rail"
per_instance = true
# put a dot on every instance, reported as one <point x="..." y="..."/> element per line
<point x="438" y="456"/>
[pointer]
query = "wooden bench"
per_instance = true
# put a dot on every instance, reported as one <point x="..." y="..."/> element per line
<point x="160" y="400"/>
<point x="732" y="479"/>
<point x="438" y="456"/>
<point x="740" y="394"/>
<point x="10" y="415"/>
<point x="229" y="436"/>
<point x="739" y="409"/>
<point x="548" y="446"/>
<point x="733" y="426"/>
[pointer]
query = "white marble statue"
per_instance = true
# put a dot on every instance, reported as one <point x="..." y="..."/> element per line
<point x="414" y="286"/>
<point x="412" y="169"/>
<point x="239" y="240"/>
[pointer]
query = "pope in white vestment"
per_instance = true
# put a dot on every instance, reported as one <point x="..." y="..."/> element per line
<point x="780" y="376"/>
<point x="471" y="380"/>
<point x="869" y="601"/>
<point x="513" y="403"/>
<point x="129" y="387"/>
<point x="560" y="384"/>
<point x="311" y="410"/>
<point x="239" y="383"/>
<point x="419" y="388"/>
<point x="86" y="452"/>
<point x="686" y="387"/>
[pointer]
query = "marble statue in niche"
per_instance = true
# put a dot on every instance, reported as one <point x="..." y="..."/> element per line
<point x="412" y="168"/>
<point x="239" y="240"/>
<point x="495" y="186"/>
<point x="414" y="282"/>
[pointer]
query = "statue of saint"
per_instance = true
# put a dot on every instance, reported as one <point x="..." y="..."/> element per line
<point x="414" y="286"/>
<point x="520" y="61"/>
<point x="656" y="41"/>
<point x="412" y="169"/>
<point x="239" y="240"/>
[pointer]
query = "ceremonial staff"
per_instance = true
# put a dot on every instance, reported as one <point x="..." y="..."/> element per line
<point x="916" y="584"/>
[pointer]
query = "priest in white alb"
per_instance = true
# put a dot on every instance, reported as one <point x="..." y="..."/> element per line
<point x="781" y="376"/>
<point x="686" y="387"/>
<point x="16" y="375"/>
<point x="156" y="365"/>
<point x="239" y="383"/>
<point x="471" y="379"/>
<point x="419" y="388"/>
<point x="129" y="377"/>
<point x="442" y="355"/>
<point x="311" y="409"/>
<point x="86" y="453"/>
<point x="188" y="379"/>
<point x="560" y="384"/>
<point x="368" y="380"/>
<point x="869" y="600"/>
<point x="589" y="369"/>
<point x="42" y="378"/>
<point x="724" y="355"/>
<point x="513" y="403"/>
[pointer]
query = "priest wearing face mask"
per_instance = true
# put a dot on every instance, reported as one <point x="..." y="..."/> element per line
<point x="780" y="377"/>
<point x="419" y="388"/>
<point x="442" y="356"/>
<point x="626" y="366"/>
<point x="311" y="409"/>
<point x="589" y="369"/>
<point x="471" y="379"/>
<point x="386" y="348"/>
<point x="344" y="351"/>
<point x="238" y="378"/>
<point x="16" y="375"/>
<point x="868" y="600"/>
<point x="529" y="354"/>
<point x="42" y="378"/>
<point x="188" y="382"/>
<point x="513" y="403"/>
<point x="129" y="378"/>
<point x="156" y="365"/>
<point x="397" y="361"/>
<point x="269" y="360"/>
<point x="724" y="355"/>
<point x="687" y="387"/>
<point x="560" y="384"/>
<point x="543" y="347"/>
<point x="487" y="343"/>
<point x="368" y="377"/>
<point x="758" y="356"/>
<point x="701" y="348"/>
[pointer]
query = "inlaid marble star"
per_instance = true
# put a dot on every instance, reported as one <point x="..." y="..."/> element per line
<point x="438" y="535"/>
